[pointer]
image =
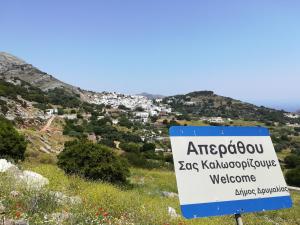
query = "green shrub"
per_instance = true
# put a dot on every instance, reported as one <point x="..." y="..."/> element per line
<point x="292" y="161"/>
<point x="93" y="161"/>
<point x="148" y="147"/>
<point x="108" y="142"/>
<point x="130" y="147"/>
<point x="12" y="144"/>
<point x="293" y="177"/>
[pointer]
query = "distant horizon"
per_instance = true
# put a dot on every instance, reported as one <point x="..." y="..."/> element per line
<point x="244" y="50"/>
<point x="290" y="107"/>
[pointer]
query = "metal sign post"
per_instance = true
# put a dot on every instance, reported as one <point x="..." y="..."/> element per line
<point x="238" y="219"/>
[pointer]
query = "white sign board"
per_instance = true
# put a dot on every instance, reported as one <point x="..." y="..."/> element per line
<point x="227" y="170"/>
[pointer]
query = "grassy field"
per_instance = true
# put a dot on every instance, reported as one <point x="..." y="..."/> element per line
<point x="142" y="202"/>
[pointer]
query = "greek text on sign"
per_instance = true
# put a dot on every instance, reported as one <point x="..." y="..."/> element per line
<point x="227" y="170"/>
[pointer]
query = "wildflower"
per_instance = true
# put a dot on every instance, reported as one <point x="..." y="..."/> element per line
<point x="18" y="214"/>
<point x="105" y="214"/>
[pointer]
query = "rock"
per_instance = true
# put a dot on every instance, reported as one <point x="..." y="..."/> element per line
<point x="21" y="222"/>
<point x="9" y="222"/>
<point x="59" y="197"/>
<point x="15" y="222"/>
<point x="63" y="199"/>
<point x="172" y="212"/>
<point x="75" y="200"/>
<point x="48" y="147"/>
<point x="5" y="165"/>
<point x="169" y="194"/>
<point x="14" y="172"/>
<point x="14" y="194"/>
<point x="33" y="180"/>
<point x="43" y="149"/>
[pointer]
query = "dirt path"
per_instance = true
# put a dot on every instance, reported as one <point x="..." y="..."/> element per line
<point x="48" y="124"/>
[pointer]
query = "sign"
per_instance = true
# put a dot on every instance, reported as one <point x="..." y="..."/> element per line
<point x="227" y="170"/>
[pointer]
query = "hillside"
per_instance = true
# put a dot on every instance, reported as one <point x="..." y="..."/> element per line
<point x="57" y="119"/>
<point x="151" y="96"/>
<point x="207" y="103"/>
<point x="13" y="67"/>
<point x="197" y="104"/>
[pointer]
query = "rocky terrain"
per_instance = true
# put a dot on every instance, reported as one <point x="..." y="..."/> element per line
<point x="151" y="96"/>
<point x="13" y="67"/>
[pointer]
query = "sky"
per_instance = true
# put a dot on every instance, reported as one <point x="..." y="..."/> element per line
<point x="248" y="50"/>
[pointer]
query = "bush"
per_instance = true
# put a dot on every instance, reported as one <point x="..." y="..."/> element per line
<point x="148" y="147"/>
<point x="293" y="177"/>
<point x="107" y="142"/>
<point x="12" y="144"/>
<point x="60" y="111"/>
<point x="93" y="161"/>
<point x="292" y="161"/>
<point x="130" y="147"/>
<point x="281" y="146"/>
<point x="125" y="122"/>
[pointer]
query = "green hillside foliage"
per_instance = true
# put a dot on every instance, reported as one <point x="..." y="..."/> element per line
<point x="206" y="103"/>
<point x="12" y="144"/>
<point x="93" y="161"/>
<point x="57" y="96"/>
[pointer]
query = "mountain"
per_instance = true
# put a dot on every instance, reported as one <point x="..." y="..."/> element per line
<point x="40" y="87"/>
<point x="13" y="67"/>
<point x="207" y="103"/>
<point x="151" y="96"/>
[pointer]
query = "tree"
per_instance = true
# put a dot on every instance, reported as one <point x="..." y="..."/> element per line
<point x="148" y="147"/>
<point x="60" y="111"/>
<point x="130" y="147"/>
<point x="139" y="109"/>
<point x="107" y="142"/>
<point x="93" y="161"/>
<point x="293" y="177"/>
<point x="292" y="161"/>
<point x="123" y="107"/>
<point x="12" y="144"/>
<point x="125" y="122"/>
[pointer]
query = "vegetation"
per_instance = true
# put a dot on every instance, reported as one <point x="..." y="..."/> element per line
<point x="293" y="177"/>
<point x="93" y="161"/>
<point x="91" y="170"/>
<point x="103" y="203"/>
<point x="292" y="161"/>
<point x="57" y="96"/>
<point x="12" y="144"/>
<point x="206" y="103"/>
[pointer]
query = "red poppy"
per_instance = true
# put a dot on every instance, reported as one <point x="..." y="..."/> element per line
<point x="18" y="214"/>
<point x="100" y="209"/>
<point x="105" y="214"/>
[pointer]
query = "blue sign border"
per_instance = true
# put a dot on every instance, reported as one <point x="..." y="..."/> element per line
<point x="235" y="207"/>
<point x="218" y="131"/>
<point x="228" y="207"/>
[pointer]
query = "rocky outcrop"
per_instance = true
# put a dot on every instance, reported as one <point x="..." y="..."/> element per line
<point x="27" y="179"/>
<point x="13" y="67"/>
